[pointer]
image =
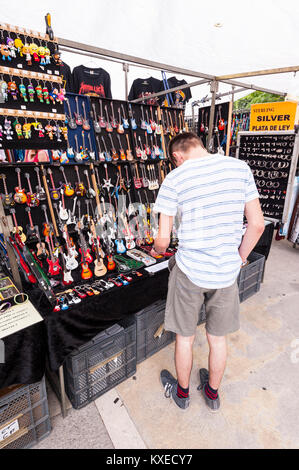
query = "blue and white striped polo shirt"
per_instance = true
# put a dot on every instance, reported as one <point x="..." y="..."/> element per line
<point x="208" y="194"/>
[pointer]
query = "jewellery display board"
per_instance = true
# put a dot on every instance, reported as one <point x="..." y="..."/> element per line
<point x="272" y="157"/>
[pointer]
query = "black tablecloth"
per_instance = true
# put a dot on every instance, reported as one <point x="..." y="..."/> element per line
<point x="61" y="332"/>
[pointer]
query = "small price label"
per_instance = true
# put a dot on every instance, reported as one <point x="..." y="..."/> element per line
<point x="49" y="72"/>
<point x="56" y="72"/>
<point x="54" y="110"/>
<point x="23" y="106"/>
<point x="20" y="66"/>
<point x="8" y="430"/>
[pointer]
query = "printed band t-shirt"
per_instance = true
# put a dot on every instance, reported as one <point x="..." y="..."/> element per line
<point x="142" y="87"/>
<point x="180" y="97"/>
<point x="66" y="75"/>
<point x="92" y="82"/>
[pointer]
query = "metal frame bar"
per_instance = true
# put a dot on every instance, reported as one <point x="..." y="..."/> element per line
<point x="293" y="167"/>
<point x="260" y="72"/>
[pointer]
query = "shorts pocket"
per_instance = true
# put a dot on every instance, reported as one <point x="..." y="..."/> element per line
<point x="171" y="263"/>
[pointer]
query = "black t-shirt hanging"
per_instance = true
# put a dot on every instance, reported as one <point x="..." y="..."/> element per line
<point x="180" y="97"/>
<point x="66" y="74"/>
<point x="142" y="87"/>
<point x="92" y="82"/>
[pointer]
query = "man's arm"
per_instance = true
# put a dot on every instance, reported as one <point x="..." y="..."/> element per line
<point x="163" y="238"/>
<point x="254" y="229"/>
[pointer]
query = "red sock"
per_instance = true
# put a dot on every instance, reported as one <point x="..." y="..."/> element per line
<point x="182" y="392"/>
<point x="210" y="392"/>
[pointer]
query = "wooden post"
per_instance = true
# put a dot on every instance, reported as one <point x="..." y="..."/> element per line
<point x="95" y="187"/>
<point x="49" y="200"/>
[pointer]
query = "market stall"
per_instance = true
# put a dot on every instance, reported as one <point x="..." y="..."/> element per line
<point x="79" y="171"/>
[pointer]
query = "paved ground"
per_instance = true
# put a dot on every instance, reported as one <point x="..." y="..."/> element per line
<point x="258" y="393"/>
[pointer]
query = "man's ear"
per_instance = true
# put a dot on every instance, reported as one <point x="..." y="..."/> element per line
<point x="178" y="157"/>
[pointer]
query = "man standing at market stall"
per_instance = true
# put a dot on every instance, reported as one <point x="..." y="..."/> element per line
<point x="209" y="194"/>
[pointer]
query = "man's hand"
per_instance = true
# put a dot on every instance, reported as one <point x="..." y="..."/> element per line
<point x="163" y="239"/>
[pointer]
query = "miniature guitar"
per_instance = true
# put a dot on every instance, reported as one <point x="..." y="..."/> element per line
<point x="7" y="198"/>
<point x="18" y="230"/>
<point x="114" y="153"/>
<point x="137" y="180"/>
<point x="221" y="121"/>
<point x="67" y="187"/>
<point x="54" y="192"/>
<point x="126" y="124"/>
<point x="63" y="213"/>
<point x="114" y="123"/>
<point x="102" y="121"/>
<point x="32" y="200"/>
<point x="107" y="154"/>
<point x="40" y="192"/>
<point x="79" y="188"/>
<point x="78" y="153"/>
<point x="20" y="195"/>
<point x="102" y="156"/>
<point x="143" y="121"/>
<point x="137" y="148"/>
<point x="130" y="156"/>
<point x="90" y="193"/>
<point x="132" y="120"/>
<point x="85" y="123"/>
<point x="31" y="230"/>
<point x="96" y="124"/>
<point x="109" y="127"/>
<point x="78" y="117"/>
<point x="91" y="152"/>
<point x="120" y="127"/>
<point x="71" y="122"/>
<point x="121" y="150"/>
<point x="148" y="126"/>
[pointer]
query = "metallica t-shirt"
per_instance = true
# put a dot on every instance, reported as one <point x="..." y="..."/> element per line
<point x="92" y="82"/>
<point x="142" y="87"/>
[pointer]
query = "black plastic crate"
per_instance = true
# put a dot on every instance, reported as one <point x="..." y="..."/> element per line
<point x="250" y="277"/>
<point x="101" y="364"/>
<point x="151" y="336"/>
<point x="24" y="416"/>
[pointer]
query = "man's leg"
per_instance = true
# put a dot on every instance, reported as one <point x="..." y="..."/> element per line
<point x="184" y="359"/>
<point x="217" y="359"/>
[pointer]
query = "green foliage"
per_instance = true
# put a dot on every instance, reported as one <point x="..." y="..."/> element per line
<point x="256" y="97"/>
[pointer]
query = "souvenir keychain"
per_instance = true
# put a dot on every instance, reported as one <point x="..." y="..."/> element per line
<point x="12" y="89"/>
<point x="26" y="52"/>
<point x="64" y="131"/>
<point x="39" y="93"/>
<point x="31" y="91"/>
<point x="11" y="47"/>
<point x="19" y="45"/>
<point x="47" y="55"/>
<point x="18" y="129"/>
<point x="27" y="130"/>
<point x="4" y="49"/>
<point x="58" y="132"/>
<point x="46" y="94"/>
<point x="40" y="129"/>
<point x="23" y="92"/>
<point x="52" y="96"/>
<point x="34" y="51"/>
<point x="60" y="96"/>
<point x="8" y="132"/>
<point x="41" y="53"/>
<point x="3" y="89"/>
<point x="49" y="129"/>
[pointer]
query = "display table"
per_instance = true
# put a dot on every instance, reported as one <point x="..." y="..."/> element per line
<point x="63" y="331"/>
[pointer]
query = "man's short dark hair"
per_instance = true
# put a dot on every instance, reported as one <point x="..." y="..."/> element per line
<point x="182" y="143"/>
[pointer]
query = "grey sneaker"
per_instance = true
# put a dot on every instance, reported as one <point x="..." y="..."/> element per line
<point x="213" y="405"/>
<point x="170" y="386"/>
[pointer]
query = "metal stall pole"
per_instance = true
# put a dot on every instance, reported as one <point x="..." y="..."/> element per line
<point x="214" y="89"/>
<point x="229" y="122"/>
<point x="62" y="392"/>
<point x="126" y="70"/>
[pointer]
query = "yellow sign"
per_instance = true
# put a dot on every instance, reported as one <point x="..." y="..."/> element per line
<point x="279" y="116"/>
